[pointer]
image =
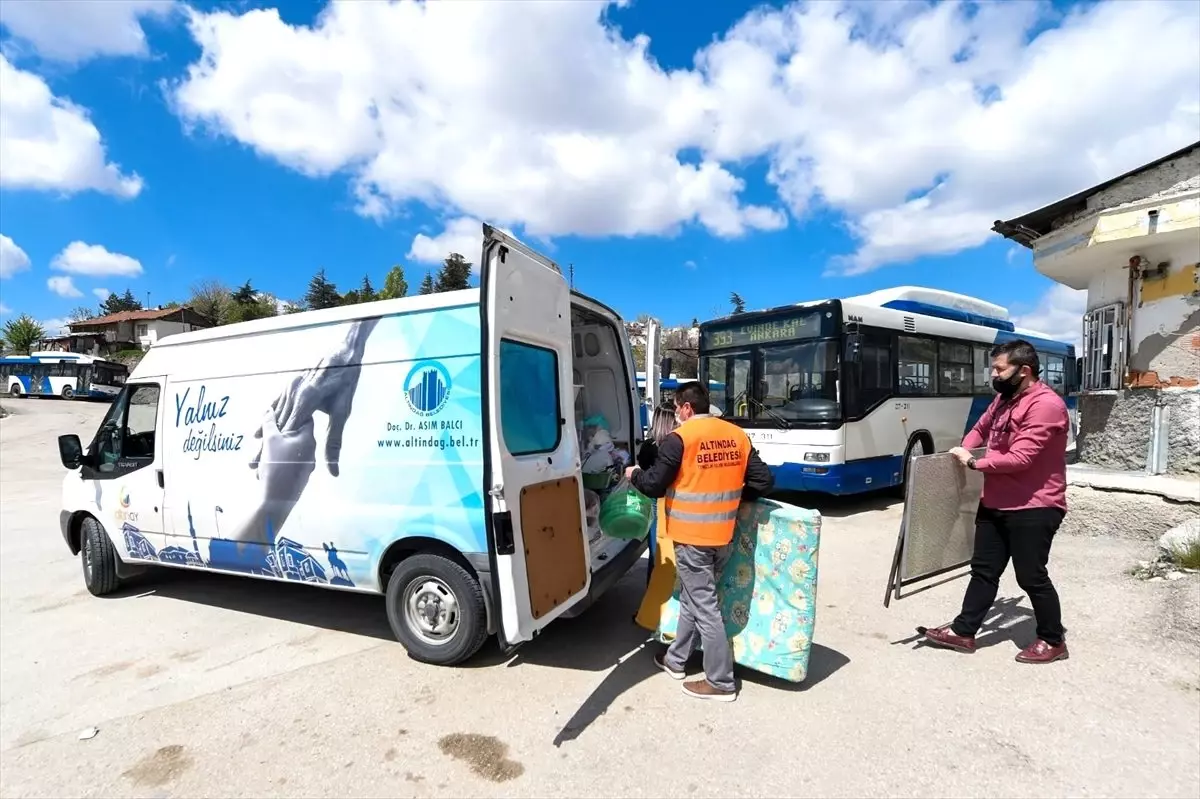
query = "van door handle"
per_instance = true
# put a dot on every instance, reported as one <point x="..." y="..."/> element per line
<point x="161" y="483"/>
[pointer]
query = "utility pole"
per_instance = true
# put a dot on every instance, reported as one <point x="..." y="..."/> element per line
<point x="147" y="300"/>
<point x="571" y="273"/>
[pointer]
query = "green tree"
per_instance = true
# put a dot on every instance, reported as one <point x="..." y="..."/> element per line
<point x="213" y="300"/>
<point x="695" y="322"/>
<point x="739" y="305"/>
<point x="246" y="304"/>
<point x="427" y="286"/>
<point x="116" y="303"/>
<point x="455" y="274"/>
<point x="322" y="293"/>
<point x="366" y="292"/>
<point x="394" y="285"/>
<point x="23" y="333"/>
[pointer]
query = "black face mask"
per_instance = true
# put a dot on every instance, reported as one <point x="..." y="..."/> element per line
<point x="1007" y="386"/>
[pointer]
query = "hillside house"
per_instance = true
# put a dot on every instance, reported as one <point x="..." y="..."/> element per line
<point x="127" y="330"/>
<point x="1133" y="243"/>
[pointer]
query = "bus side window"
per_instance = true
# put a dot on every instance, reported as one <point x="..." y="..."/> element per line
<point x="954" y="368"/>
<point x="1054" y="372"/>
<point x="918" y="365"/>
<point x="983" y="371"/>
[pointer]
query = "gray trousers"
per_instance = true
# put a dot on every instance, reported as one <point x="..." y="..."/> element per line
<point x="700" y="619"/>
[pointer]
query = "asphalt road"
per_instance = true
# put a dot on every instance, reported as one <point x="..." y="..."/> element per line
<point x="203" y="685"/>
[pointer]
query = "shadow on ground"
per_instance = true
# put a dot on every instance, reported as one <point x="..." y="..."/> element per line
<point x="1006" y="622"/>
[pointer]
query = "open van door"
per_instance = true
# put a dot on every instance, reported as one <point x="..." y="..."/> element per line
<point x="537" y="534"/>
<point x="653" y="365"/>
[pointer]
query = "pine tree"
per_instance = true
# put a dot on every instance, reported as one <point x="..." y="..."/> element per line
<point x="427" y="286"/>
<point x="247" y="304"/>
<point x="455" y="274"/>
<point x="394" y="285"/>
<point x="366" y="292"/>
<point x="322" y="293"/>
<point x="116" y="303"/>
<point x="739" y="305"/>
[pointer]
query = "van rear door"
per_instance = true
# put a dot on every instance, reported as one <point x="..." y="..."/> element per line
<point x="537" y="536"/>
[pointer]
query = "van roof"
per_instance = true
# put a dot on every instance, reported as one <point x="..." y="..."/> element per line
<point x="271" y="324"/>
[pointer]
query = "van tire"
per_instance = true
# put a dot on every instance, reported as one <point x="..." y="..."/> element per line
<point x="426" y="571"/>
<point x="98" y="558"/>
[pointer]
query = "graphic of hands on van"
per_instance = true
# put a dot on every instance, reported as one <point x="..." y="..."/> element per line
<point x="286" y="457"/>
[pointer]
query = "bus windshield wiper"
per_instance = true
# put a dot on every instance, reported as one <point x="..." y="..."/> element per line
<point x="784" y="424"/>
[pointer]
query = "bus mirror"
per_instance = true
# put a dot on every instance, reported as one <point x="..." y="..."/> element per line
<point x="664" y="368"/>
<point x="854" y="348"/>
<point x="70" y="451"/>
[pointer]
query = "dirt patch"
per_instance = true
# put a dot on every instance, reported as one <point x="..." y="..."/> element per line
<point x="160" y="768"/>
<point x="107" y="670"/>
<point x="486" y="755"/>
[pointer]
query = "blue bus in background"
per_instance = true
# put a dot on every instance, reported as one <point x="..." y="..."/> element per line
<point x="68" y="375"/>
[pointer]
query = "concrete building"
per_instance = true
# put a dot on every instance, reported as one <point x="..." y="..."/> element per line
<point x="1133" y="243"/>
<point x="127" y="330"/>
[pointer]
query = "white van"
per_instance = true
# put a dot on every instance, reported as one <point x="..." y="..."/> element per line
<point x="426" y="448"/>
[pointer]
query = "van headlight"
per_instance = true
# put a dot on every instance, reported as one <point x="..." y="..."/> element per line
<point x="817" y="457"/>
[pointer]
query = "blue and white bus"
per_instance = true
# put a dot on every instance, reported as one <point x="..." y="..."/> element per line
<point x="69" y="375"/>
<point x="837" y="395"/>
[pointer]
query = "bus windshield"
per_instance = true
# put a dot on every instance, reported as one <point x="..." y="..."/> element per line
<point x="800" y="381"/>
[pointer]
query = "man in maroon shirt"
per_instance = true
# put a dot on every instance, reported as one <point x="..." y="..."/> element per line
<point x="1023" y="504"/>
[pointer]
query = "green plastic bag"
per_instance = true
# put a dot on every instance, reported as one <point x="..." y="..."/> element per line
<point x="626" y="513"/>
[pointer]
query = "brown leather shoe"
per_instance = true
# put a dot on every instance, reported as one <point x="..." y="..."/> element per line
<point x="703" y="689"/>
<point x="1041" y="652"/>
<point x="945" y="638"/>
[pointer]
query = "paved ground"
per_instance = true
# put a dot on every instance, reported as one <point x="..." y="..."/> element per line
<point x="209" y="686"/>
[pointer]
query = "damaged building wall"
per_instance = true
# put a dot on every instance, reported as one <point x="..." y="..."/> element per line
<point x="1116" y="429"/>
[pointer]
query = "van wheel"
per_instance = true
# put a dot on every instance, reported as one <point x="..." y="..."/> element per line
<point x="916" y="448"/>
<point x="436" y="610"/>
<point x="68" y="393"/>
<point x="99" y="559"/>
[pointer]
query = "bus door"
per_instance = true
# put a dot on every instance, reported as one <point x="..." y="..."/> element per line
<point x="537" y="534"/>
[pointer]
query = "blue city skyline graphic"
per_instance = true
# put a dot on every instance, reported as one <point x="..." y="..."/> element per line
<point x="427" y="388"/>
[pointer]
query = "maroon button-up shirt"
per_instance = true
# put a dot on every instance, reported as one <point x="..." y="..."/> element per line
<point x="1026" y="461"/>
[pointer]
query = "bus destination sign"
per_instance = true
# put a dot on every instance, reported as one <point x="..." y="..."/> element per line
<point x="769" y="331"/>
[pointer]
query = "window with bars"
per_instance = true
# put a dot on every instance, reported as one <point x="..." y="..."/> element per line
<point x="1104" y="348"/>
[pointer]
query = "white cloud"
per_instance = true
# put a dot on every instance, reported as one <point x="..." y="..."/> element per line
<point x="102" y="294"/>
<point x="689" y="264"/>
<point x="94" y="260"/>
<point x="55" y="327"/>
<point x="12" y="258"/>
<point x="1058" y="314"/>
<point x="47" y="143"/>
<point x="463" y="236"/>
<point x="4" y="309"/>
<point x="920" y="123"/>
<point x="77" y="30"/>
<point x="63" y="286"/>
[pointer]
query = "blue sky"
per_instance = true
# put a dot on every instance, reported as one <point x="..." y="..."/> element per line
<point x="785" y="152"/>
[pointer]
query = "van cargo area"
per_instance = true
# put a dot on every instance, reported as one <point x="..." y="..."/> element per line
<point x="604" y="422"/>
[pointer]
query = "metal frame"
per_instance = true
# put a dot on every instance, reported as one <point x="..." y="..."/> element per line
<point x="895" y="583"/>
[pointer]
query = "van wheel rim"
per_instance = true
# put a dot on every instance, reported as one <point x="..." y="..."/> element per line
<point x="87" y="558"/>
<point x="431" y="610"/>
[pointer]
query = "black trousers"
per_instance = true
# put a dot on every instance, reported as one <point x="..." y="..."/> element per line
<point x="1024" y="536"/>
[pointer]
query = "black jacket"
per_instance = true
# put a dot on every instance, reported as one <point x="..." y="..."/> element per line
<point x="654" y="478"/>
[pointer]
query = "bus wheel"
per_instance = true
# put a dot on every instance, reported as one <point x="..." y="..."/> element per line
<point x="436" y="610"/>
<point x="916" y="448"/>
<point x="14" y="390"/>
<point x="99" y="559"/>
<point x="68" y="393"/>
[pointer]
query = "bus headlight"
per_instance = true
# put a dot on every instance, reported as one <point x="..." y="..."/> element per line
<point x="817" y="457"/>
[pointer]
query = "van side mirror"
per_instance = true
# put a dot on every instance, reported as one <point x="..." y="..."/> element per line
<point x="664" y="367"/>
<point x="854" y="348"/>
<point x="70" y="451"/>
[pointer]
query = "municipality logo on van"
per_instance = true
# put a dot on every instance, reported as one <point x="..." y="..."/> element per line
<point x="427" y="388"/>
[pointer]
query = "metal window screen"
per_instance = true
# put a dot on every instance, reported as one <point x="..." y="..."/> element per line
<point x="1104" y="348"/>
<point x="937" y="533"/>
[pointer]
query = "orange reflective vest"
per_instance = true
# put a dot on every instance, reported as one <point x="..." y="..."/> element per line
<point x="702" y="503"/>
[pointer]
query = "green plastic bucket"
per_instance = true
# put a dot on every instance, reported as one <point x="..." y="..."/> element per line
<point x="626" y="513"/>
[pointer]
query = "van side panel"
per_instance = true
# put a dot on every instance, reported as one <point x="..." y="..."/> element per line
<point x="255" y="482"/>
